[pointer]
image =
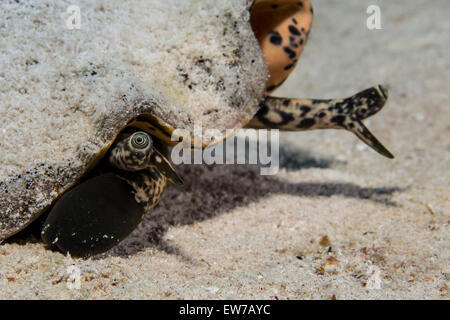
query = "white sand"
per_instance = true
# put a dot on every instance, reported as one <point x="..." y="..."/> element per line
<point x="362" y="226"/>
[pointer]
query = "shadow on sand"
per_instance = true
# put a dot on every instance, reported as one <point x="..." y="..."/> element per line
<point x="213" y="190"/>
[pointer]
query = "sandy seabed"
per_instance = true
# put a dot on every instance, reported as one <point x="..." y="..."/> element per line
<point x="338" y="220"/>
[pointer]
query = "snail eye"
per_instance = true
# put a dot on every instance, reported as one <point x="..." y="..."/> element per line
<point x="140" y="140"/>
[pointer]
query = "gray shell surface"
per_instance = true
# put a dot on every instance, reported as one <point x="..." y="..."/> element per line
<point x="66" y="93"/>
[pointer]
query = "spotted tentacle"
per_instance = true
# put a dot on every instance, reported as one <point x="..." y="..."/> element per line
<point x="308" y="114"/>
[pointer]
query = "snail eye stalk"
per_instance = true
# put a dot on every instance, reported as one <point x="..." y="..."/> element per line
<point x="140" y="140"/>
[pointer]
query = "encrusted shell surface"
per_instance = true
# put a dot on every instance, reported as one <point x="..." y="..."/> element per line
<point x="65" y="93"/>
